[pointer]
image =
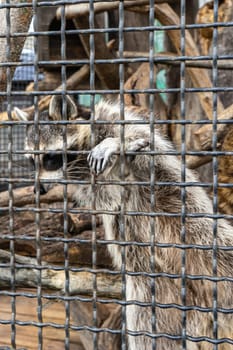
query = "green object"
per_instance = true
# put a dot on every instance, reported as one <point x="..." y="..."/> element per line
<point x="159" y="47"/>
<point x="161" y="83"/>
<point x="158" y="38"/>
<point x="85" y="100"/>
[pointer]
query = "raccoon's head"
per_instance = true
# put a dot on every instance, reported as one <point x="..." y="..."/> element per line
<point x="57" y="147"/>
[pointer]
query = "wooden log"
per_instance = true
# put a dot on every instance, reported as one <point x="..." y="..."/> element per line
<point x="25" y="195"/>
<point x="205" y="15"/>
<point x="108" y="73"/>
<point x="71" y="83"/>
<point x="169" y="58"/>
<point x="203" y="139"/>
<point x="55" y="232"/>
<point x="167" y="16"/>
<point x="194" y="162"/>
<point x="225" y="48"/>
<point x="199" y="77"/>
<point x="79" y="253"/>
<point x="77" y="77"/>
<point x="43" y="104"/>
<point x="203" y="136"/>
<point x="53" y="277"/>
<point x="52" y="226"/>
<point x="140" y="80"/>
<point x="80" y="222"/>
<point x="52" y="79"/>
<point x="225" y="172"/>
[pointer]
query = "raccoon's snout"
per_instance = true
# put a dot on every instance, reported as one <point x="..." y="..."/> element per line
<point x="43" y="190"/>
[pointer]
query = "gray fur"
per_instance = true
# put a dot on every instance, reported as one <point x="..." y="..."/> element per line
<point x="137" y="198"/>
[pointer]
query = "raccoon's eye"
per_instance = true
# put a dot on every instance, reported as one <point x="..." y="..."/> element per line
<point x="52" y="161"/>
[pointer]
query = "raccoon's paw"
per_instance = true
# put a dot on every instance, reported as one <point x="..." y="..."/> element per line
<point x="137" y="145"/>
<point x="100" y="155"/>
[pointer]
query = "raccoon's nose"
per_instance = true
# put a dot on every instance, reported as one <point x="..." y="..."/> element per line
<point x="42" y="189"/>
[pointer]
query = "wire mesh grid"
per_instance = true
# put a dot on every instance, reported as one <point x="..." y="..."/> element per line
<point x="137" y="252"/>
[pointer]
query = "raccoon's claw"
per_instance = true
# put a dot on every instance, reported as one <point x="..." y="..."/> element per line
<point x="97" y="161"/>
<point x="100" y="155"/>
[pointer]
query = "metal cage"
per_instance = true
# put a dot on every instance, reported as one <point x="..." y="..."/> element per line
<point x="59" y="287"/>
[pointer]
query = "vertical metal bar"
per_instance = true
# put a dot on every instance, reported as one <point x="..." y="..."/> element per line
<point x="10" y="174"/>
<point x="64" y="157"/>
<point x="37" y="180"/>
<point x="183" y="170"/>
<point x="152" y="170"/>
<point x="93" y="185"/>
<point x="215" y="174"/>
<point x="122" y="173"/>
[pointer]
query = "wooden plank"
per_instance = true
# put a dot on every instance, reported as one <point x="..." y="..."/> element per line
<point x="27" y="336"/>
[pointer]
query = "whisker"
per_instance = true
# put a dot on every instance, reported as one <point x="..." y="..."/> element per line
<point x="78" y="159"/>
<point x="78" y="164"/>
<point x="78" y="168"/>
<point x="77" y="173"/>
<point x="16" y="164"/>
<point x="74" y="178"/>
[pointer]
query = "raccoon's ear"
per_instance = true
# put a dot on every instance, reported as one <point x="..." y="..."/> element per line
<point x="21" y="115"/>
<point x="55" y="107"/>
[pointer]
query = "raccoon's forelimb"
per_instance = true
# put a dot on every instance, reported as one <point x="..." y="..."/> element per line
<point x="100" y="155"/>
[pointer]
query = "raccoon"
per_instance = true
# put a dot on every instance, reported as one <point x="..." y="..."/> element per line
<point x="169" y="295"/>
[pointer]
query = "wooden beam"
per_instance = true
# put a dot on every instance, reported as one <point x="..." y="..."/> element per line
<point x="80" y="10"/>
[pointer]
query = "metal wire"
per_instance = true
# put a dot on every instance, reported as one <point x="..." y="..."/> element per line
<point x="152" y="173"/>
<point x="37" y="186"/>
<point x="10" y="186"/>
<point x="122" y="175"/>
<point x="93" y="182"/>
<point x="183" y="171"/>
<point x="10" y="179"/>
<point x="215" y="176"/>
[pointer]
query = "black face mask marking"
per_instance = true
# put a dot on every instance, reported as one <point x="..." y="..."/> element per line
<point x="54" y="161"/>
<point x="31" y="163"/>
<point x="71" y="157"/>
